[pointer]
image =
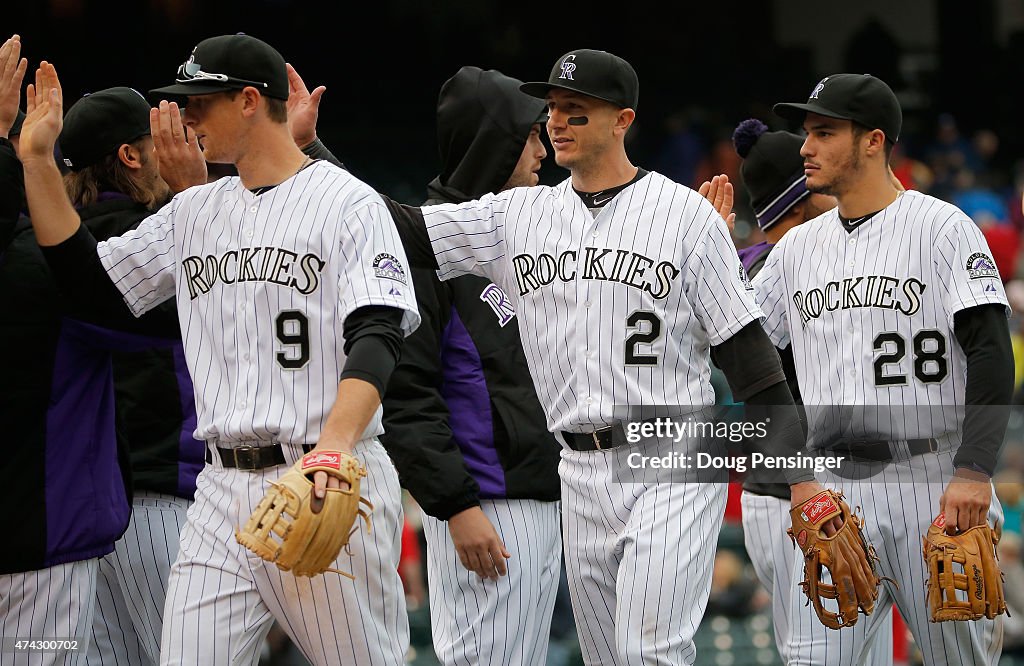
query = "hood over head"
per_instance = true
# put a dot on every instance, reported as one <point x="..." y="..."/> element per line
<point x="483" y="121"/>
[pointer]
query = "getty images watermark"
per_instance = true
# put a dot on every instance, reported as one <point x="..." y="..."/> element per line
<point x="665" y="429"/>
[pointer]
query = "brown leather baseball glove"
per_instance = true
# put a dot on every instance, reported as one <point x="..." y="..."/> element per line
<point x="965" y="563"/>
<point x="849" y="558"/>
<point x="284" y="530"/>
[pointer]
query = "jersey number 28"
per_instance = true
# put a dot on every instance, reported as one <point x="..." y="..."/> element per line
<point x="930" y="366"/>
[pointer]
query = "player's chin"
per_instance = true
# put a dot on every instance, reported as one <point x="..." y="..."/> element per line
<point x="564" y="160"/>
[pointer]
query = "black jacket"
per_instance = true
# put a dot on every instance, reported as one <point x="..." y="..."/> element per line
<point x="461" y="417"/>
<point x="63" y="457"/>
<point x="153" y="392"/>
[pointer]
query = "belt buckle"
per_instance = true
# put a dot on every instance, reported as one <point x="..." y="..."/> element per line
<point x="933" y="445"/>
<point x="250" y="464"/>
<point x="596" y="436"/>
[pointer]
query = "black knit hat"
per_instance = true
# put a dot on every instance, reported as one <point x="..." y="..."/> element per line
<point x="98" y="124"/>
<point x="772" y="170"/>
<point x="228" y="62"/>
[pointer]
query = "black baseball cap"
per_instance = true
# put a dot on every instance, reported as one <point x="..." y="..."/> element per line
<point x="861" y="98"/>
<point x="228" y="62"/>
<point x="98" y="124"/>
<point x="595" y="73"/>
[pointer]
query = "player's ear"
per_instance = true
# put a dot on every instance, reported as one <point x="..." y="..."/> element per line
<point x="624" y="120"/>
<point x="130" y="156"/>
<point x="251" y="100"/>
<point x="874" y="142"/>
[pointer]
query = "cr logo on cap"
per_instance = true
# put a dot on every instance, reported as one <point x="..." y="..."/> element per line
<point x="818" y="88"/>
<point x="568" y="67"/>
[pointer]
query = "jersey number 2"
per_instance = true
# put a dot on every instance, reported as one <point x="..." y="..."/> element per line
<point x="642" y="337"/>
<point x="292" y="328"/>
<point x="930" y="366"/>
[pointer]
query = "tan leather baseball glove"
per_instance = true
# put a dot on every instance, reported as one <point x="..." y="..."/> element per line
<point x="849" y="558"/>
<point x="284" y="530"/>
<point x="964" y="563"/>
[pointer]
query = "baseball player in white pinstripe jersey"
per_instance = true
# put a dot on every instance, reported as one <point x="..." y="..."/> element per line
<point x="773" y="176"/>
<point x="622" y="282"/>
<point x="896" y="317"/>
<point x="287" y="278"/>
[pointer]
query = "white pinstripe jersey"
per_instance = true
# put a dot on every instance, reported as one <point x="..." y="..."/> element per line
<point x="869" y="314"/>
<point x="615" y="310"/>
<point x="264" y="284"/>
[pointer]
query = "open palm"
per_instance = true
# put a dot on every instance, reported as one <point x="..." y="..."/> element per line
<point x="44" y="108"/>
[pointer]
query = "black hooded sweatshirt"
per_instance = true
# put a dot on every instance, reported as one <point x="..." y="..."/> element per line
<point x="461" y="416"/>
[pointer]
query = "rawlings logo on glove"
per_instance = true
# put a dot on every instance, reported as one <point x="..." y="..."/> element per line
<point x="847" y="556"/>
<point x="964" y="562"/>
<point x="284" y="529"/>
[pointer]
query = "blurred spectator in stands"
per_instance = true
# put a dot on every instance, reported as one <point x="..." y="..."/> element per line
<point x="912" y="174"/>
<point x="1013" y="587"/>
<point x="990" y="212"/>
<point x="948" y="155"/>
<point x="721" y="158"/>
<point x="734" y="589"/>
<point x="1009" y="485"/>
<point x="682" y="150"/>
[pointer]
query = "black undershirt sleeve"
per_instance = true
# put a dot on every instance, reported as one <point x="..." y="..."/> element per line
<point x="749" y="361"/>
<point x="318" y="151"/>
<point x="373" y="344"/>
<point x="754" y="372"/>
<point x="91" y="296"/>
<point x="984" y="335"/>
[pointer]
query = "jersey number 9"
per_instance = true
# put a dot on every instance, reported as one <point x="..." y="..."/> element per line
<point x="292" y="328"/>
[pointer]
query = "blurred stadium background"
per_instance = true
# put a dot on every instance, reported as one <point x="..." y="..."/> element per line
<point x="703" y="67"/>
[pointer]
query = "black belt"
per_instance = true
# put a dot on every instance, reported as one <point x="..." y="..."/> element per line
<point x="604" y="438"/>
<point x="252" y="457"/>
<point x="881" y="451"/>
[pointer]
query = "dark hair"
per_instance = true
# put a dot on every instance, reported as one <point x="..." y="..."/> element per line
<point x="860" y="130"/>
<point x="110" y="174"/>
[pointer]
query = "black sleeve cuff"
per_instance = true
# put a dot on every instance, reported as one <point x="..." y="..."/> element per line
<point x="445" y="509"/>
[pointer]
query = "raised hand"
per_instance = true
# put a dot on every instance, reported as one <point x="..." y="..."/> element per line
<point x="719" y="192"/>
<point x="44" y="109"/>
<point x="177" y="148"/>
<point x="303" y="108"/>
<point x="12" y="72"/>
